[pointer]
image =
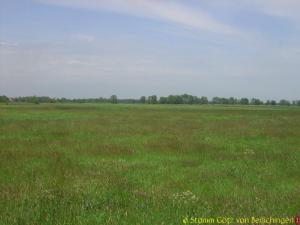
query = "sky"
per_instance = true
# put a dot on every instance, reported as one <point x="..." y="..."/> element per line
<point x="97" y="48"/>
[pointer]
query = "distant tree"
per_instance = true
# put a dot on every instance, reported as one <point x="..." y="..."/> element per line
<point x="152" y="99"/>
<point x="34" y="100"/>
<point x="187" y="99"/>
<point x="128" y="101"/>
<point x="178" y="99"/>
<point x="163" y="100"/>
<point x="143" y="100"/>
<point x="244" y="101"/>
<point x="4" y="99"/>
<point x="114" y="99"/>
<point x="192" y="99"/>
<point x="171" y="99"/>
<point x="255" y="101"/>
<point x="216" y="100"/>
<point x="284" y="102"/>
<point x="224" y="101"/>
<point x="296" y="102"/>
<point x="43" y="99"/>
<point x="64" y="100"/>
<point x="203" y="100"/>
<point x="271" y="102"/>
<point x="102" y="100"/>
<point x="232" y="101"/>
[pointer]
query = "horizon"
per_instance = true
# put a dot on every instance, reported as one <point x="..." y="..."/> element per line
<point x="86" y="49"/>
<point x="210" y="100"/>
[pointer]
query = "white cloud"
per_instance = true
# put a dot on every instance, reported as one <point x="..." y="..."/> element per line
<point x="84" y="37"/>
<point x="8" y="44"/>
<point x="168" y="11"/>
<point x="283" y="8"/>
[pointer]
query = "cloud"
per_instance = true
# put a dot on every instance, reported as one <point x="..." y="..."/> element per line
<point x="281" y="8"/>
<point x="84" y="37"/>
<point x="8" y="44"/>
<point x="168" y="11"/>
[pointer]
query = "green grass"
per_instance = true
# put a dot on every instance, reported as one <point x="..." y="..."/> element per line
<point x="146" y="164"/>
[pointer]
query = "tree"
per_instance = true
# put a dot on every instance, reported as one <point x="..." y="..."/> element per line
<point x="224" y="101"/>
<point x="216" y="100"/>
<point x="152" y="99"/>
<point x="244" y="101"/>
<point x="114" y="99"/>
<point x="296" y="102"/>
<point x="171" y="99"/>
<point x="178" y="99"/>
<point x="143" y="100"/>
<point x="4" y="99"/>
<point x="232" y="101"/>
<point x="203" y="100"/>
<point x="188" y="99"/>
<point x="163" y="100"/>
<point x="34" y="100"/>
<point x="255" y="101"/>
<point x="284" y="102"/>
<point x="271" y="102"/>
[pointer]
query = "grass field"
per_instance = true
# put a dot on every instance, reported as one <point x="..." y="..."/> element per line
<point x="146" y="164"/>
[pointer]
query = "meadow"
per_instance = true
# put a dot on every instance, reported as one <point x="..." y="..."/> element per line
<point x="87" y="164"/>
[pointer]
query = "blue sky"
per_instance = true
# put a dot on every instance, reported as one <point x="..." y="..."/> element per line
<point x="93" y="48"/>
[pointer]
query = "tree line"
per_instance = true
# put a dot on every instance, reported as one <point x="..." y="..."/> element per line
<point x="153" y="99"/>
